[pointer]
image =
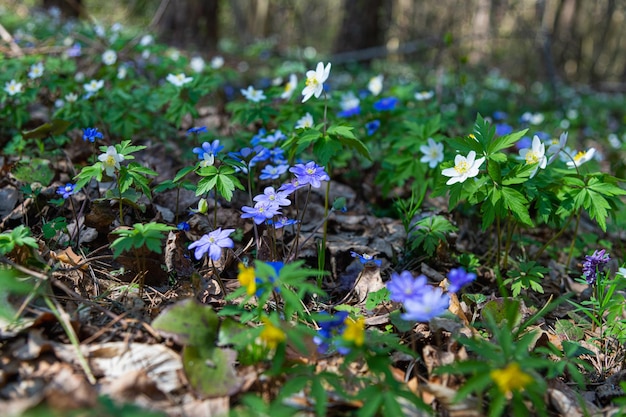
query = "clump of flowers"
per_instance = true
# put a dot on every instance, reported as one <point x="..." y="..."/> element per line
<point x="421" y="301"/>
<point x="594" y="264"/>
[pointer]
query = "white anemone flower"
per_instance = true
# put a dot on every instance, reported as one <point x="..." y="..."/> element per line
<point x="109" y="57"/>
<point x="305" y="121"/>
<point x="581" y="157"/>
<point x="111" y="160"/>
<point x="36" y="71"/>
<point x="217" y="62"/>
<point x="315" y="81"/>
<point x="13" y="87"/>
<point x="179" y="79"/>
<point x="71" y="97"/>
<point x="93" y="86"/>
<point x="433" y="153"/>
<point x="424" y="95"/>
<point x="557" y="146"/>
<point x="375" y="84"/>
<point x="536" y="154"/>
<point x="197" y="64"/>
<point x="253" y="95"/>
<point x="290" y="87"/>
<point x="464" y="168"/>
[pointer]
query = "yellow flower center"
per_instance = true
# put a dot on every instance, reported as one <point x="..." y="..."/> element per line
<point x="532" y="158"/>
<point x="110" y="161"/>
<point x="312" y="82"/>
<point x="579" y="156"/>
<point x="462" y="167"/>
<point x="310" y="171"/>
<point x="288" y="87"/>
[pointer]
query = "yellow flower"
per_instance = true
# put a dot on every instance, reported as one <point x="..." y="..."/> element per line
<point x="510" y="378"/>
<point x="271" y="335"/>
<point x="355" y="331"/>
<point x="247" y="278"/>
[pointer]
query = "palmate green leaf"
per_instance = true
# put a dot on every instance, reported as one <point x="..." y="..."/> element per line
<point x="484" y="132"/>
<point x="464" y="145"/>
<point x="597" y="206"/>
<point x="357" y="145"/>
<point x="325" y="149"/>
<point x="206" y="184"/>
<point x="517" y="203"/>
<point x="605" y="186"/>
<point x="87" y="174"/>
<point x="125" y="148"/>
<point x="183" y="173"/>
<point x="340" y="130"/>
<point x="226" y="184"/>
<point x="505" y="141"/>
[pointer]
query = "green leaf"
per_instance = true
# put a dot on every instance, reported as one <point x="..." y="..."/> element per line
<point x="189" y="323"/>
<point x="325" y="149"/>
<point x="53" y="128"/>
<point x="503" y="142"/>
<point x="210" y="370"/>
<point x="344" y="131"/>
<point x="517" y="203"/>
<point x="357" y="145"/>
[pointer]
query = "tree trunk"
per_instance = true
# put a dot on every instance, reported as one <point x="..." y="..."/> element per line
<point x="362" y="26"/>
<point x="188" y="23"/>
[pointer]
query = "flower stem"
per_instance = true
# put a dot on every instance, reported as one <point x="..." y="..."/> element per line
<point x="571" y="247"/>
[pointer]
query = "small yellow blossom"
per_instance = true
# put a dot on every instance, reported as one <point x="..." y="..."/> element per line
<point x="355" y="331"/>
<point x="510" y="378"/>
<point x="271" y="335"/>
<point x="247" y="278"/>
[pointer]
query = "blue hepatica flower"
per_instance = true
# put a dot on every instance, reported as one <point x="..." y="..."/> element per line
<point x="372" y="127"/>
<point x="404" y="286"/>
<point x="386" y="104"/>
<point x="353" y="111"/>
<point x="365" y="258"/>
<point x="430" y="304"/>
<point x="209" y="148"/>
<point x="91" y="134"/>
<point x="184" y="226"/>
<point x="503" y="129"/>
<point x="499" y="116"/>
<point x="310" y="173"/>
<point x="524" y="142"/>
<point x="261" y="211"/>
<point x="458" y="278"/>
<point x="330" y="326"/>
<point x="196" y="130"/>
<point x="212" y="244"/>
<point x="66" y="190"/>
<point x="258" y="138"/>
<point x="270" y="172"/>
<point x="281" y="222"/>
<point x="274" y="137"/>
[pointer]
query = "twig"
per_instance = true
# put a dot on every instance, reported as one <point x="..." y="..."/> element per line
<point x="6" y="36"/>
